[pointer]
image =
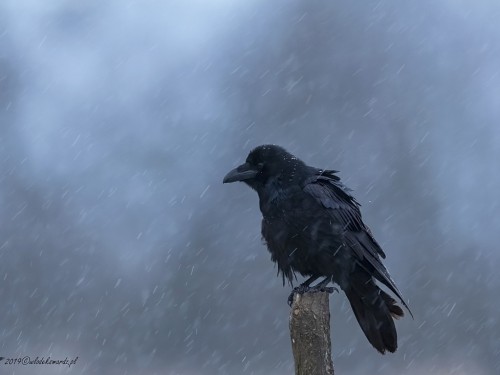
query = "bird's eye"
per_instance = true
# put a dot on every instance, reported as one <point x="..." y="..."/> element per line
<point x="260" y="165"/>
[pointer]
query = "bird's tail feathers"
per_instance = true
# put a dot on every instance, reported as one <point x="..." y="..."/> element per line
<point x="375" y="311"/>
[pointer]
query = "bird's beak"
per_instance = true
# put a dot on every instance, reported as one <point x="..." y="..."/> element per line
<point x="241" y="173"/>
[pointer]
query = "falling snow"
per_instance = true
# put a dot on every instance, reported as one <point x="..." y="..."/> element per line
<point x="118" y="120"/>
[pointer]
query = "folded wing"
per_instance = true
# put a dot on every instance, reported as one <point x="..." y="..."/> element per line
<point x="327" y="189"/>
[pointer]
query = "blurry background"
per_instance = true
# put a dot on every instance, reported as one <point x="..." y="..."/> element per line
<point x="118" y="242"/>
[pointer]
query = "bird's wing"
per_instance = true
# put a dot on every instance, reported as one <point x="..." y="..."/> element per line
<point x="327" y="189"/>
<point x="333" y="195"/>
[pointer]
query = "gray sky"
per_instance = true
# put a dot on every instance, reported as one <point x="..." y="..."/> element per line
<point x="118" y="120"/>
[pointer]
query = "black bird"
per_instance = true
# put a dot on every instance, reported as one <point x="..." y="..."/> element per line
<point x="312" y="226"/>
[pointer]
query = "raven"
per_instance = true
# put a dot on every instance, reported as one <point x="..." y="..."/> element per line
<point x="312" y="226"/>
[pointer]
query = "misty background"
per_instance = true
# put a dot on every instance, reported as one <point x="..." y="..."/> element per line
<point x="120" y="245"/>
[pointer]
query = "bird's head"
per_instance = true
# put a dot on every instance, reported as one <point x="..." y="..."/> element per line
<point x="263" y="164"/>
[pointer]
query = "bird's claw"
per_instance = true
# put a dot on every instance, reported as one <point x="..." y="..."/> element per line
<point x="327" y="289"/>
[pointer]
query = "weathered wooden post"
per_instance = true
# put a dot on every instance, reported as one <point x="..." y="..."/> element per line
<point x="310" y="333"/>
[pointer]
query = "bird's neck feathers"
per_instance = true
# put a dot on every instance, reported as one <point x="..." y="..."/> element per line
<point x="282" y="182"/>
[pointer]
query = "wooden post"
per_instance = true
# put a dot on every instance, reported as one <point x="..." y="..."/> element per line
<point x="310" y="334"/>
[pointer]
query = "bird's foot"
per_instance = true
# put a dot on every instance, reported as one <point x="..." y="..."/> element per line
<point x="322" y="286"/>
<point x="301" y="289"/>
<point x="327" y="289"/>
